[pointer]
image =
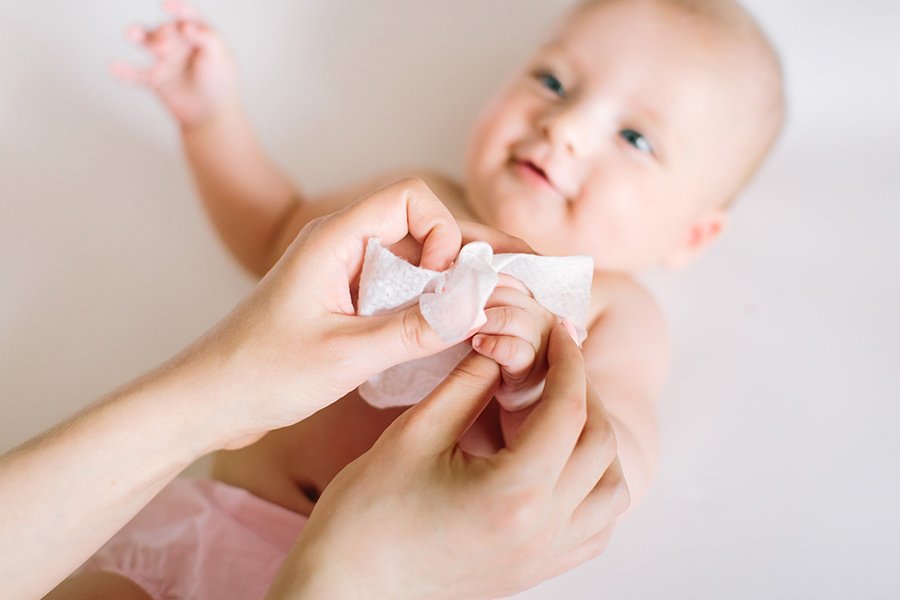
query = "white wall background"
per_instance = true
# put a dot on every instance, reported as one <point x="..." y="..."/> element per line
<point x="780" y="447"/>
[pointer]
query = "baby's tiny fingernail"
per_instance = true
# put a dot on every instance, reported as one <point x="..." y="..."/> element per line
<point x="477" y="341"/>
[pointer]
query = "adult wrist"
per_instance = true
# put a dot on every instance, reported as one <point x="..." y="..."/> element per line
<point x="199" y="383"/>
<point x="236" y="395"/>
<point x="305" y="576"/>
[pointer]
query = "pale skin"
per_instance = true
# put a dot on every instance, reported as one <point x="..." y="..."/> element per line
<point x="554" y="482"/>
<point x="599" y="145"/>
<point x="253" y="372"/>
<point x="258" y="370"/>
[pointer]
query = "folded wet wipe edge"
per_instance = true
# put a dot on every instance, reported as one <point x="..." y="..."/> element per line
<point x="453" y="303"/>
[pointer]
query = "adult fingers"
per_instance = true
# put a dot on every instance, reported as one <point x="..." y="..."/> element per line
<point x="439" y="421"/>
<point x="549" y="434"/>
<point x="499" y="241"/>
<point x="405" y="207"/>
<point x="388" y="340"/>
<point x="609" y="499"/>
<point x="592" y="548"/>
<point x="595" y="451"/>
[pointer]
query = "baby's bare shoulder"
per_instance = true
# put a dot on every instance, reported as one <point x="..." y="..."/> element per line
<point x="627" y="325"/>
<point x="623" y="295"/>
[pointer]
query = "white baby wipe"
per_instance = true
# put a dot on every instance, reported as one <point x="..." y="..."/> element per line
<point x="453" y="302"/>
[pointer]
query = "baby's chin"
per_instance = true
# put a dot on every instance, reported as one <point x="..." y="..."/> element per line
<point x="496" y="210"/>
<point x="610" y="260"/>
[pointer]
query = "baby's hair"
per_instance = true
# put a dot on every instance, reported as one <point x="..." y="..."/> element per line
<point x="742" y="27"/>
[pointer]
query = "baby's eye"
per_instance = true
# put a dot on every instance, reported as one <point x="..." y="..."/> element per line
<point x="550" y="81"/>
<point x="637" y="139"/>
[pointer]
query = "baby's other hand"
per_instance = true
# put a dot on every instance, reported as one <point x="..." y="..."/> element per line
<point x="515" y="336"/>
<point x="192" y="72"/>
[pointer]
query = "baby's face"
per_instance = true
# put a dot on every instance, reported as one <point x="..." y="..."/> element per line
<point x="616" y="140"/>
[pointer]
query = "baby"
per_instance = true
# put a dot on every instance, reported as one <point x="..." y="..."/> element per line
<point x="625" y="138"/>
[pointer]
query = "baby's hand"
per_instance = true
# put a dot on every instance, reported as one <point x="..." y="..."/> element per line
<point x="515" y="336"/>
<point x="192" y="72"/>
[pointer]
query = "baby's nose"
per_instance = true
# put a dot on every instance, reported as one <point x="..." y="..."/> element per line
<point x="571" y="129"/>
<point x="567" y="130"/>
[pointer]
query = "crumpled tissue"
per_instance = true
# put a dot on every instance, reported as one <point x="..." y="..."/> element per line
<point x="453" y="302"/>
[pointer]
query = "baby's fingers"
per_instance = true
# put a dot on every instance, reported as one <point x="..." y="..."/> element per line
<point x="158" y="41"/>
<point x="136" y="34"/>
<point x="182" y="10"/>
<point x="192" y="26"/>
<point x="130" y="74"/>
<point x="512" y="321"/>
<point x="198" y="35"/>
<point x="515" y="356"/>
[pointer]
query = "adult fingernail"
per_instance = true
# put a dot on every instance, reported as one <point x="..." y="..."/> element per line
<point x="570" y="329"/>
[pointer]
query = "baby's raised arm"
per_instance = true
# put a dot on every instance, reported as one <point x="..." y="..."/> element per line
<point x="254" y="206"/>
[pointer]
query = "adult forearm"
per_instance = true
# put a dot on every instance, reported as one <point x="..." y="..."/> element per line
<point x="65" y="493"/>
<point x="247" y="197"/>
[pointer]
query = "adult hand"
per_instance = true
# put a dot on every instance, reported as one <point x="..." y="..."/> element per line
<point x="410" y="250"/>
<point x="295" y="345"/>
<point x="292" y="347"/>
<point x="418" y="518"/>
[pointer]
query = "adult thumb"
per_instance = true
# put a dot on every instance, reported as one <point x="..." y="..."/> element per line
<point x="450" y="410"/>
<point x="397" y="338"/>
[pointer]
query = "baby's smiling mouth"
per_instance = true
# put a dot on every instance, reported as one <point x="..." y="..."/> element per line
<point x="527" y="164"/>
<point x="534" y="174"/>
<point x="535" y="168"/>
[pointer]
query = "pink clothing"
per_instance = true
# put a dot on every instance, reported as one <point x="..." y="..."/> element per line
<point x="202" y="539"/>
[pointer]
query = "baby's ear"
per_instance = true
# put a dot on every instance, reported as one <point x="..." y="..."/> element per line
<point x="700" y="234"/>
